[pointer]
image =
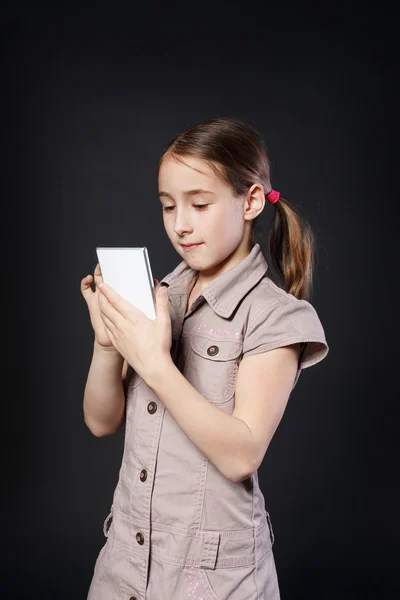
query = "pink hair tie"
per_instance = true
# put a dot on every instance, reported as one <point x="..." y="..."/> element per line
<point x="273" y="196"/>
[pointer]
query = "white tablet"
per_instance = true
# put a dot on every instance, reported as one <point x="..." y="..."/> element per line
<point x="128" y="272"/>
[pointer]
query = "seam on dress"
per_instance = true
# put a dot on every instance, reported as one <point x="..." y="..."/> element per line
<point x="265" y="308"/>
<point x="201" y="494"/>
<point x="290" y="339"/>
<point x="280" y="290"/>
<point x="255" y="536"/>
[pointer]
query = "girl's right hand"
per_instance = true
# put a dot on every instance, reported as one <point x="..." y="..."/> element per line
<point x="91" y="298"/>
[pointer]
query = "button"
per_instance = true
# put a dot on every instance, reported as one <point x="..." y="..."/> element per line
<point x="140" y="538"/>
<point x="212" y="350"/>
<point x="152" y="407"/>
<point x="133" y="598"/>
<point x="143" y="475"/>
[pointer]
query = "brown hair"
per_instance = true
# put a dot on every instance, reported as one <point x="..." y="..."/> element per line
<point x="236" y="153"/>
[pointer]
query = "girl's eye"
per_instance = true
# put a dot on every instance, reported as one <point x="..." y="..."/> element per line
<point x="199" y="206"/>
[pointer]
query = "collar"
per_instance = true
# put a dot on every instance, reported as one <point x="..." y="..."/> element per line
<point x="226" y="291"/>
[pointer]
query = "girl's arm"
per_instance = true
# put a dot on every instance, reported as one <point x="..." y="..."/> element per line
<point x="235" y="443"/>
<point x="104" y="396"/>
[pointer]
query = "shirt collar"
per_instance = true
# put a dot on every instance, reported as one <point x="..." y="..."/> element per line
<point x="225" y="292"/>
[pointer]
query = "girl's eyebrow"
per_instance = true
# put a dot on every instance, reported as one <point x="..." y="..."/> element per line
<point x="188" y="193"/>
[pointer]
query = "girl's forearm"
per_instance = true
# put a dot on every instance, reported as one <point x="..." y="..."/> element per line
<point x="225" y="440"/>
<point x="104" y="395"/>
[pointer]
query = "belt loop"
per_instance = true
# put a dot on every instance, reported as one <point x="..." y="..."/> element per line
<point x="209" y="551"/>
<point x="107" y="522"/>
<point x="271" y="532"/>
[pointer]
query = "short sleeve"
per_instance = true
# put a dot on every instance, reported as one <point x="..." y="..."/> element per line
<point x="287" y="321"/>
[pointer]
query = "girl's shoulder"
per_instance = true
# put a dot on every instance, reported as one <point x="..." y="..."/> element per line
<point x="276" y="318"/>
<point x="267" y="294"/>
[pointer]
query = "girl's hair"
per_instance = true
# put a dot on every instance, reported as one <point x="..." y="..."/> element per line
<point x="236" y="153"/>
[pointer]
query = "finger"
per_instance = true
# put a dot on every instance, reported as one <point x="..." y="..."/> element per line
<point x="111" y="337"/>
<point x="118" y="303"/>
<point x="156" y="282"/>
<point x="108" y="310"/>
<point x="108" y="323"/>
<point x="98" y="276"/>
<point x="85" y="286"/>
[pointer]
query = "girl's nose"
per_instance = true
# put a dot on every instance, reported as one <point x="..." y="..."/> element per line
<point x="182" y="225"/>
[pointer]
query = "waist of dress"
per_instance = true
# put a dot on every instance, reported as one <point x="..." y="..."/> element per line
<point x="191" y="547"/>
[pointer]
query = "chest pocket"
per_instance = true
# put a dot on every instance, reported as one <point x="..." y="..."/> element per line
<point x="212" y="366"/>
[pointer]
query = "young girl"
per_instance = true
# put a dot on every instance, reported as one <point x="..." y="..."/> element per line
<point x="203" y="386"/>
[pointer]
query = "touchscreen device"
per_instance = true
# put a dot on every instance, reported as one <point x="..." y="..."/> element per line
<point x="128" y="272"/>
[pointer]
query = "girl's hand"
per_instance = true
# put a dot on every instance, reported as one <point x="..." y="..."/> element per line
<point x="144" y="343"/>
<point x="91" y="297"/>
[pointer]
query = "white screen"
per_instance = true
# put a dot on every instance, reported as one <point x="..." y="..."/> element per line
<point x="128" y="272"/>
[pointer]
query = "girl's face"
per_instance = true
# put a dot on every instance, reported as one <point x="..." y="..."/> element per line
<point x="198" y="208"/>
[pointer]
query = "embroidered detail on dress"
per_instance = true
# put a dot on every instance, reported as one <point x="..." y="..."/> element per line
<point x="213" y="331"/>
<point x="191" y="578"/>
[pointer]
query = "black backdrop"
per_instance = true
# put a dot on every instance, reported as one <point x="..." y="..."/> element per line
<point x="91" y="97"/>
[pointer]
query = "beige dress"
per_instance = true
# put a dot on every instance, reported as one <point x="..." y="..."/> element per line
<point x="178" y="529"/>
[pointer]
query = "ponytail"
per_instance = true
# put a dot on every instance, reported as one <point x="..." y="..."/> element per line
<point x="289" y="250"/>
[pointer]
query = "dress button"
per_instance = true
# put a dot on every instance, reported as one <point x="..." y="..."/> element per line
<point x="133" y="598"/>
<point x="152" y="407"/>
<point x="212" y="350"/>
<point x="143" y="475"/>
<point x="140" y="538"/>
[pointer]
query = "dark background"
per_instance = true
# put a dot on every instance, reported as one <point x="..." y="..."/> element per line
<point x="91" y="97"/>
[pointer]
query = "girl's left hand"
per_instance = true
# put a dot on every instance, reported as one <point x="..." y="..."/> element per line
<point x="144" y="343"/>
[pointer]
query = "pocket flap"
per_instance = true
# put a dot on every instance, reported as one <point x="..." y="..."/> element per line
<point x="216" y="350"/>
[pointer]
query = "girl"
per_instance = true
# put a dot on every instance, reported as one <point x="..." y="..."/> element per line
<point x="203" y="386"/>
